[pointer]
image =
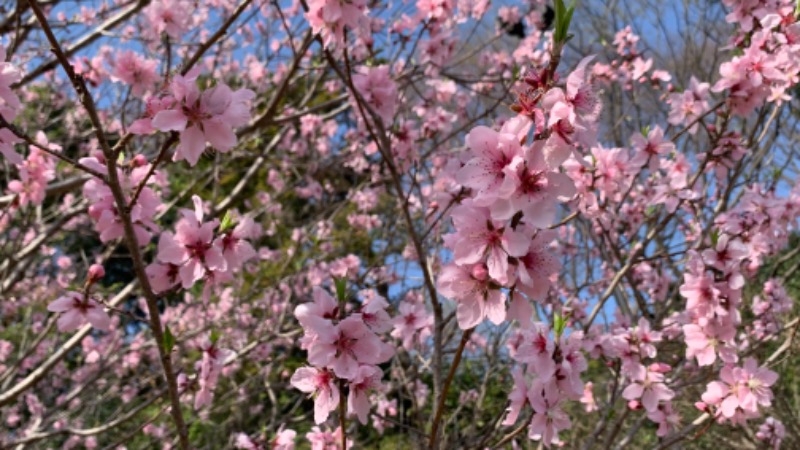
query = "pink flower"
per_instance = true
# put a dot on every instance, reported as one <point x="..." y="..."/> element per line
<point x="77" y="310"/>
<point x="284" y="440"/>
<point x="740" y="391"/>
<point x="689" y="104"/>
<point x="235" y="248"/>
<point x="477" y="237"/>
<point x="649" y="386"/>
<point x="9" y="102"/>
<point x="7" y="141"/>
<point x="588" y="398"/>
<point x="477" y="300"/>
<point x="537" y="266"/>
<point x="323" y="309"/>
<point x="578" y="107"/>
<point x="703" y="343"/>
<point x="537" y="351"/>
<point x="548" y="418"/>
<point x="191" y="248"/>
<point x="138" y="72"/>
<point x="327" y="440"/>
<point x="517" y="398"/>
<point x="203" y="118"/>
<point x="410" y="319"/>
<point x="211" y="365"/>
<point x="163" y="277"/>
<point x="772" y="431"/>
<point x="322" y="384"/>
<point x="666" y="418"/>
<point x="376" y="86"/>
<point x="169" y="16"/>
<point x="650" y="148"/>
<point x="366" y="380"/>
<point x="537" y="189"/>
<point x="487" y="171"/>
<point x="346" y="345"/>
<point x="374" y="314"/>
<point x="329" y="17"/>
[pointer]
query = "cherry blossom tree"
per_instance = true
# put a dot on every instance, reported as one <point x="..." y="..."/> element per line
<point x="337" y="224"/>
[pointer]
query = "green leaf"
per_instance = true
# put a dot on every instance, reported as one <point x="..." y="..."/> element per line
<point x="645" y="130"/>
<point x="214" y="336"/>
<point x="562" y="21"/>
<point x="169" y="339"/>
<point x="341" y="289"/>
<point x="559" y="324"/>
<point x="120" y="158"/>
<point x="227" y="222"/>
<point x="714" y="237"/>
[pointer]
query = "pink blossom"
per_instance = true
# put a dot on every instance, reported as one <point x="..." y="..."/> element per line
<point x="740" y="391"/>
<point x="477" y="300"/>
<point x="477" y="237"/>
<point x="517" y="398"/>
<point x="538" y="265"/>
<point x="76" y="310"/>
<point x="376" y="86"/>
<point x="648" y="385"/>
<point x="772" y="431"/>
<point x="234" y="245"/>
<point x="537" y="189"/>
<point x="344" y="346"/>
<point x="578" y="107"/>
<point x="588" y="398"/>
<point x="207" y="117"/>
<point x="548" y="418"/>
<point x="211" y="365"/>
<point x="191" y="247"/>
<point x="537" y="351"/>
<point x="9" y="102"/>
<point x="488" y="170"/>
<point x="650" y="147"/>
<point x="329" y="18"/>
<point x="169" y="16"/>
<point x="412" y="319"/>
<point x="138" y="72"/>
<point x="322" y="384"/>
<point x="689" y="104"/>
<point x="366" y="380"/>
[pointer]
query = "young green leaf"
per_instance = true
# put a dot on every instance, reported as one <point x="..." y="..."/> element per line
<point x="341" y="289"/>
<point x="227" y="222"/>
<point x="169" y="339"/>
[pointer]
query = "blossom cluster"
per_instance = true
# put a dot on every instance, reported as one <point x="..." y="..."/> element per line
<point x="134" y="176"/>
<point x="502" y="235"/>
<point x="195" y="252"/>
<point x="551" y="376"/>
<point x="201" y="118"/>
<point x="343" y="349"/>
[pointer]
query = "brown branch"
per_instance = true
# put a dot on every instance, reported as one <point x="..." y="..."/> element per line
<point x="124" y="214"/>
<point x="433" y="442"/>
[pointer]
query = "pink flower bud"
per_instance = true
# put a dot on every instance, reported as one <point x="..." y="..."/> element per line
<point x="96" y="272"/>
<point x="660" y="367"/>
<point x="139" y="161"/>
<point x="480" y="272"/>
<point x="634" y="405"/>
<point x="701" y="406"/>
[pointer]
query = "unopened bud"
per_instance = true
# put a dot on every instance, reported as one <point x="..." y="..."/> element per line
<point x="634" y="405"/>
<point x="480" y="272"/>
<point x="139" y="161"/>
<point x="96" y="272"/>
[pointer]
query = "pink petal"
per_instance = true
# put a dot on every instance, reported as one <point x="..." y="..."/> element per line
<point x="169" y="120"/>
